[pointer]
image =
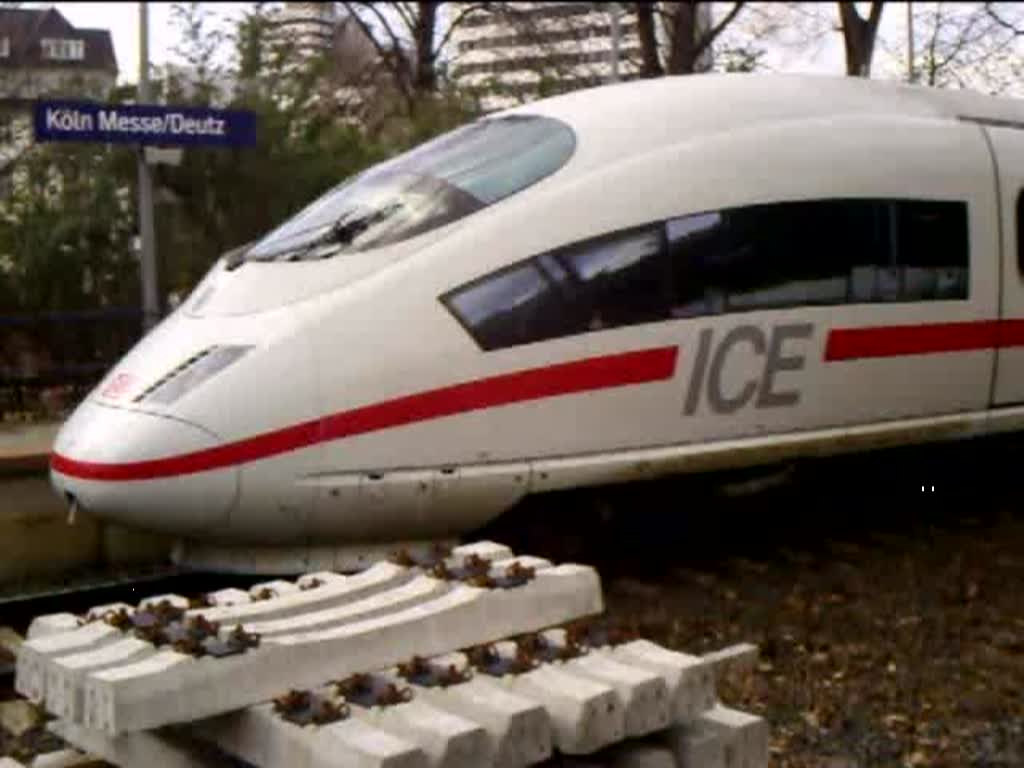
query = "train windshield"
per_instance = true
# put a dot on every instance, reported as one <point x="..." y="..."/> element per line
<point x="447" y="178"/>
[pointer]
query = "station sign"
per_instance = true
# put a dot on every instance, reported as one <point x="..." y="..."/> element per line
<point x="151" y="124"/>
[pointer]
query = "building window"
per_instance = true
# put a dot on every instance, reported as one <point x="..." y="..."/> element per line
<point x="59" y="49"/>
<point x="760" y="257"/>
<point x="5" y="47"/>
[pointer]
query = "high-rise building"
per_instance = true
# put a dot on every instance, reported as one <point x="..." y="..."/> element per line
<point x="354" y="76"/>
<point x="309" y="27"/>
<point x="523" y="50"/>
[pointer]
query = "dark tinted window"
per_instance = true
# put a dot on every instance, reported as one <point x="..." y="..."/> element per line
<point x="760" y="257"/>
<point x="817" y="252"/>
<point x="607" y="282"/>
<point x="932" y="250"/>
<point x="793" y="254"/>
<point x="618" y="280"/>
<point x="1020" y="231"/>
<point x="514" y="306"/>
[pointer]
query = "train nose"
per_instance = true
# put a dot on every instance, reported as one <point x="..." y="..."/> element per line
<point x="141" y="470"/>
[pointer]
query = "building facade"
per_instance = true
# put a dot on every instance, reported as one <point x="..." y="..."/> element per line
<point x="43" y="55"/>
<point x="308" y="27"/>
<point x="525" y="50"/>
<point x="354" y="80"/>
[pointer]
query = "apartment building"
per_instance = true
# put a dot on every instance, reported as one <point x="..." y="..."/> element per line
<point x="355" y="81"/>
<point x="520" y="51"/>
<point x="43" y="55"/>
<point x="309" y="27"/>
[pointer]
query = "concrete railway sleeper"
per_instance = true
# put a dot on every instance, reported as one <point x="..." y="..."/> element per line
<point x="469" y="658"/>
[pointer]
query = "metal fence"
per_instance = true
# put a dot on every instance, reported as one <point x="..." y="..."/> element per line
<point x="49" y="361"/>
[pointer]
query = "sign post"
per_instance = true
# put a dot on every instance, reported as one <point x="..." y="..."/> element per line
<point x="149" y="128"/>
<point x="147" y="233"/>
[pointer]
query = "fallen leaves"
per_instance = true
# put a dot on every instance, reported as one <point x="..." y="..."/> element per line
<point x="918" y="665"/>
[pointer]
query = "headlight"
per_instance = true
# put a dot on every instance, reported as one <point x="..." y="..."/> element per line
<point x="191" y="373"/>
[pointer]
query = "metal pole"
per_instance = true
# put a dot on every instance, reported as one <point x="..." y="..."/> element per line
<point x="616" y="38"/>
<point x="911" y="75"/>
<point x="147" y="235"/>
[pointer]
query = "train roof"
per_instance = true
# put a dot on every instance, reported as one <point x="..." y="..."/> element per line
<point x="631" y="117"/>
<point x="727" y="98"/>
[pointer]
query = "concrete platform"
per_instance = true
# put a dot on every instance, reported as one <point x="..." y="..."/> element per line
<point x="26" y="447"/>
<point x="35" y="537"/>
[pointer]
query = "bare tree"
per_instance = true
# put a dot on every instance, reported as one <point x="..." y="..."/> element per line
<point x="688" y="40"/>
<point x="765" y="35"/>
<point x="961" y="45"/>
<point x="859" y="35"/>
<point x="409" y="38"/>
<point x="1005" y="16"/>
<point x="565" y="52"/>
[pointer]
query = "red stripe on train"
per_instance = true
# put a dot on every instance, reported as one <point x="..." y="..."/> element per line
<point x="900" y="340"/>
<point x="643" y="366"/>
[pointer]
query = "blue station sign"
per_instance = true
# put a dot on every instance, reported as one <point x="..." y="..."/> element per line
<point x="85" y="121"/>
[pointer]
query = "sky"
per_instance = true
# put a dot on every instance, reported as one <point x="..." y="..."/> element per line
<point x="122" y="19"/>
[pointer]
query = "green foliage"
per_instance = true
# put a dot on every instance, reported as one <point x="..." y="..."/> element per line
<point x="218" y="199"/>
<point x="66" y="230"/>
<point x="65" y="240"/>
<point x="223" y="198"/>
<point x="739" y="59"/>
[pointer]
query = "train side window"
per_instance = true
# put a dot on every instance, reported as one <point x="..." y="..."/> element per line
<point x="694" y="242"/>
<point x="818" y="252"/>
<point x="774" y="256"/>
<point x="622" y="278"/>
<point x="511" y="307"/>
<point x="932" y="249"/>
<point x="1020" y="231"/>
<point x="768" y="256"/>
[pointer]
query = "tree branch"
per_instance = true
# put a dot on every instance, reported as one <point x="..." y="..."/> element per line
<point x="708" y="39"/>
<point x="467" y="8"/>
<point x="408" y="18"/>
<point x="990" y="10"/>
<point x="396" y="63"/>
<point x="648" y="40"/>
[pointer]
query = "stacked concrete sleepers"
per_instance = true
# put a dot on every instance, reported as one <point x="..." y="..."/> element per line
<point x="631" y="704"/>
<point x="64" y="758"/>
<point x="501" y="709"/>
<point x="103" y="678"/>
<point x="499" y="703"/>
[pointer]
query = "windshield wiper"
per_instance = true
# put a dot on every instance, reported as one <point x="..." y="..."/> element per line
<point x="343" y="231"/>
<point x="235" y="258"/>
<point x="348" y="227"/>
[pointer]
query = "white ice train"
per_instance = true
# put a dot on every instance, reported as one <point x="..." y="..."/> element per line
<point x="621" y="283"/>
